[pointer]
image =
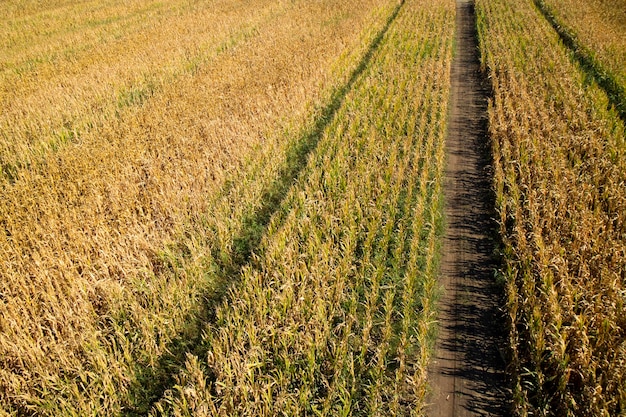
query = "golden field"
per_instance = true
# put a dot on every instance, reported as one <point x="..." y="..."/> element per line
<point x="160" y="158"/>
<point x="560" y="168"/>
<point x="229" y="207"/>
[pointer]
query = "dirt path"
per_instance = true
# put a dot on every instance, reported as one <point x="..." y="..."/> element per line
<point x="467" y="375"/>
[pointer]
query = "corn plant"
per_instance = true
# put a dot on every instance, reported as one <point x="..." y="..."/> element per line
<point x="559" y="173"/>
<point x="334" y="313"/>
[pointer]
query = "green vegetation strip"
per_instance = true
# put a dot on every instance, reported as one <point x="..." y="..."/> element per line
<point x="333" y="315"/>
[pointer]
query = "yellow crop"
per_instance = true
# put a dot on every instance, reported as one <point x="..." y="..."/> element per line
<point x="560" y="169"/>
<point x="137" y="140"/>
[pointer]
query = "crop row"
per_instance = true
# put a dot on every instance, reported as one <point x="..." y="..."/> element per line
<point x="595" y="31"/>
<point x="560" y="169"/>
<point x="334" y="315"/>
<point x="111" y="242"/>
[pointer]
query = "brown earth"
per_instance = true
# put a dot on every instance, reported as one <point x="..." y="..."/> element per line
<point x="468" y="371"/>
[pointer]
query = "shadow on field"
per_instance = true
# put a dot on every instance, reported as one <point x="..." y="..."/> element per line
<point x="152" y="383"/>
<point x="594" y="69"/>
<point x="478" y="329"/>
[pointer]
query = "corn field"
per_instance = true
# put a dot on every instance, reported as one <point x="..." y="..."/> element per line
<point x="559" y="155"/>
<point x="170" y="169"/>
<point x="235" y="208"/>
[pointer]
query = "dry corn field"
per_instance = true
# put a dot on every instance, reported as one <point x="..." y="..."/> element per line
<point x="560" y="179"/>
<point x="220" y="207"/>
<point x="235" y="207"/>
<point x="596" y="30"/>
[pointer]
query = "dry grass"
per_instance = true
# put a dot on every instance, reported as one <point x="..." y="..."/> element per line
<point x="334" y="314"/>
<point x="129" y="172"/>
<point x="560" y="170"/>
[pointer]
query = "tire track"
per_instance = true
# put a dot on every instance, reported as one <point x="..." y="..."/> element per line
<point x="468" y="372"/>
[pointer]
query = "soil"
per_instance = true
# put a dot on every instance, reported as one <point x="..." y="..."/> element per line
<point x="467" y="375"/>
